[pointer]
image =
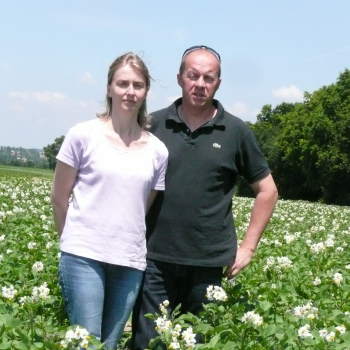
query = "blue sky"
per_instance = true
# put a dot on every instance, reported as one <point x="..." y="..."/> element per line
<point x="54" y="55"/>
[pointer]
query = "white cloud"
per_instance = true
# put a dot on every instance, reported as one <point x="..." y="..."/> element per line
<point x="49" y="103"/>
<point x="288" y="94"/>
<point x="239" y="108"/>
<point x="242" y="111"/>
<point x="42" y="97"/>
<point x="87" y="78"/>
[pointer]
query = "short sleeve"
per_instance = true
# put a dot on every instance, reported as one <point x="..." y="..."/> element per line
<point x="158" y="182"/>
<point x="73" y="146"/>
<point x="252" y="164"/>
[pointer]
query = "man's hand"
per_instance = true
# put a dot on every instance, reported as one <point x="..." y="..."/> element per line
<point x="243" y="258"/>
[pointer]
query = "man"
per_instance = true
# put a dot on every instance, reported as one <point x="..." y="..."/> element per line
<point x="190" y="228"/>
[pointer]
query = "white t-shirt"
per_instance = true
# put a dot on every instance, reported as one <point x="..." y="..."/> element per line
<point x="106" y="218"/>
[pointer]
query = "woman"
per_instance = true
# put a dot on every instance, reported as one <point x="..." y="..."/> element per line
<point x="115" y="168"/>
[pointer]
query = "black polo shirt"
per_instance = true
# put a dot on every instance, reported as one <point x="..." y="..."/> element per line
<point x="191" y="222"/>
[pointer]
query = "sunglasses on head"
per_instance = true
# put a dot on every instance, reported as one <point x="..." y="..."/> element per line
<point x="193" y="48"/>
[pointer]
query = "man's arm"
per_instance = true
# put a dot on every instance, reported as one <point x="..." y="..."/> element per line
<point x="152" y="196"/>
<point x="266" y="198"/>
<point x="62" y="187"/>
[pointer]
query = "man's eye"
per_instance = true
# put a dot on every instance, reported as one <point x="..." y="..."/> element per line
<point x="209" y="80"/>
<point x="193" y="76"/>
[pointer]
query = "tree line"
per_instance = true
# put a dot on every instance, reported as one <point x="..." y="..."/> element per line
<point x="307" y="145"/>
<point x="22" y="157"/>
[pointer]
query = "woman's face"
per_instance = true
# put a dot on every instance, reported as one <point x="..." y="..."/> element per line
<point x="127" y="90"/>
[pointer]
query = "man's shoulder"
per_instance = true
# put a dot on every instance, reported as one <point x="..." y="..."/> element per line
<point x="158" y="119"/>
<point x="234" y="125"/>
<point x="160" y="113"/>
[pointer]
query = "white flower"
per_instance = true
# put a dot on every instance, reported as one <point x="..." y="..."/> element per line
<point x="329" y="242"/>
<point x="270" y="261"/>
<point x="284" y="262"/>
<point x="347" y="267"/>
<point x="341" y="329"/>
<point x="81" y="333"/>
<point x="41" y="292"/>
<point x="175" y="333"/>
<point x="174" y="345"/>
<point x="304" y="332"/>
<point x="78" y="337"/>
<point x="38" y="266"/>
<point x="277" y="243"/>
<point x="9" y="292"/>
<point x="163" y="306"/>
<point x="8" y="251"/>
<point x="317" y="281"/>
<point x="304" y="311"/>
<point x="339" y="249"/>
<point x="189" y="337"/>
<point x="162" y="324"/>
<point x="252" y="317"/>
<point x="59" y="255"/>
<point x="330" y="337"/>
<point x="289" y="238"/>
<point x="216" y="293"/>
<point x="49" y="245"/>
<point x="323" y="332"/>
<point x="337" y="278"/>
<point x="2" y="238"/>
<point x="70" y="335"/>
<point x="273" y="286"/>
<point x="31" y="245"/>
<point x="23" y="300"/>
<point x="317" y="247"/>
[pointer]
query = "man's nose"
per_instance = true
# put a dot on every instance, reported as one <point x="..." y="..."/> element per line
<point x="200" y="82"/>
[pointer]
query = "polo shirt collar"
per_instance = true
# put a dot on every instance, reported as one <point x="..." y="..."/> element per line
<point x="217" y="120"/>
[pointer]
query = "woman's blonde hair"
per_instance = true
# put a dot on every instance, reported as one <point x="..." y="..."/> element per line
<point x="135" y="61"/>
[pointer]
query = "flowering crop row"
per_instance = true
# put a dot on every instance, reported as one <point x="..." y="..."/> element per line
<point x="31" y="309"/>
<point x="295" y="294"/>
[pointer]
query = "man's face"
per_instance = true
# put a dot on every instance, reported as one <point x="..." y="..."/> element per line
<point x="200" y="79"/>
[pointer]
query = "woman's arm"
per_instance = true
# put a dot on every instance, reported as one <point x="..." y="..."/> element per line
<point x="62" y="187"/>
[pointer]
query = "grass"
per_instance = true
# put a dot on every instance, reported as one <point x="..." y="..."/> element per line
<point x="6" y="170"/>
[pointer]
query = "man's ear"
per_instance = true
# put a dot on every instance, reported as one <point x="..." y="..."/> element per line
<point x="179" y="80"/>
<point x="217" y="88"/>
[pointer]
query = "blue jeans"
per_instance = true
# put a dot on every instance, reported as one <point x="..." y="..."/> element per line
<point x="98" y="296"/>
<point x="185" y="284"/>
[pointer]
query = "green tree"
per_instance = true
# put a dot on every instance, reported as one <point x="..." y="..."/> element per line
<point x="314" y="145"/>
<point x="52" y="150"/>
